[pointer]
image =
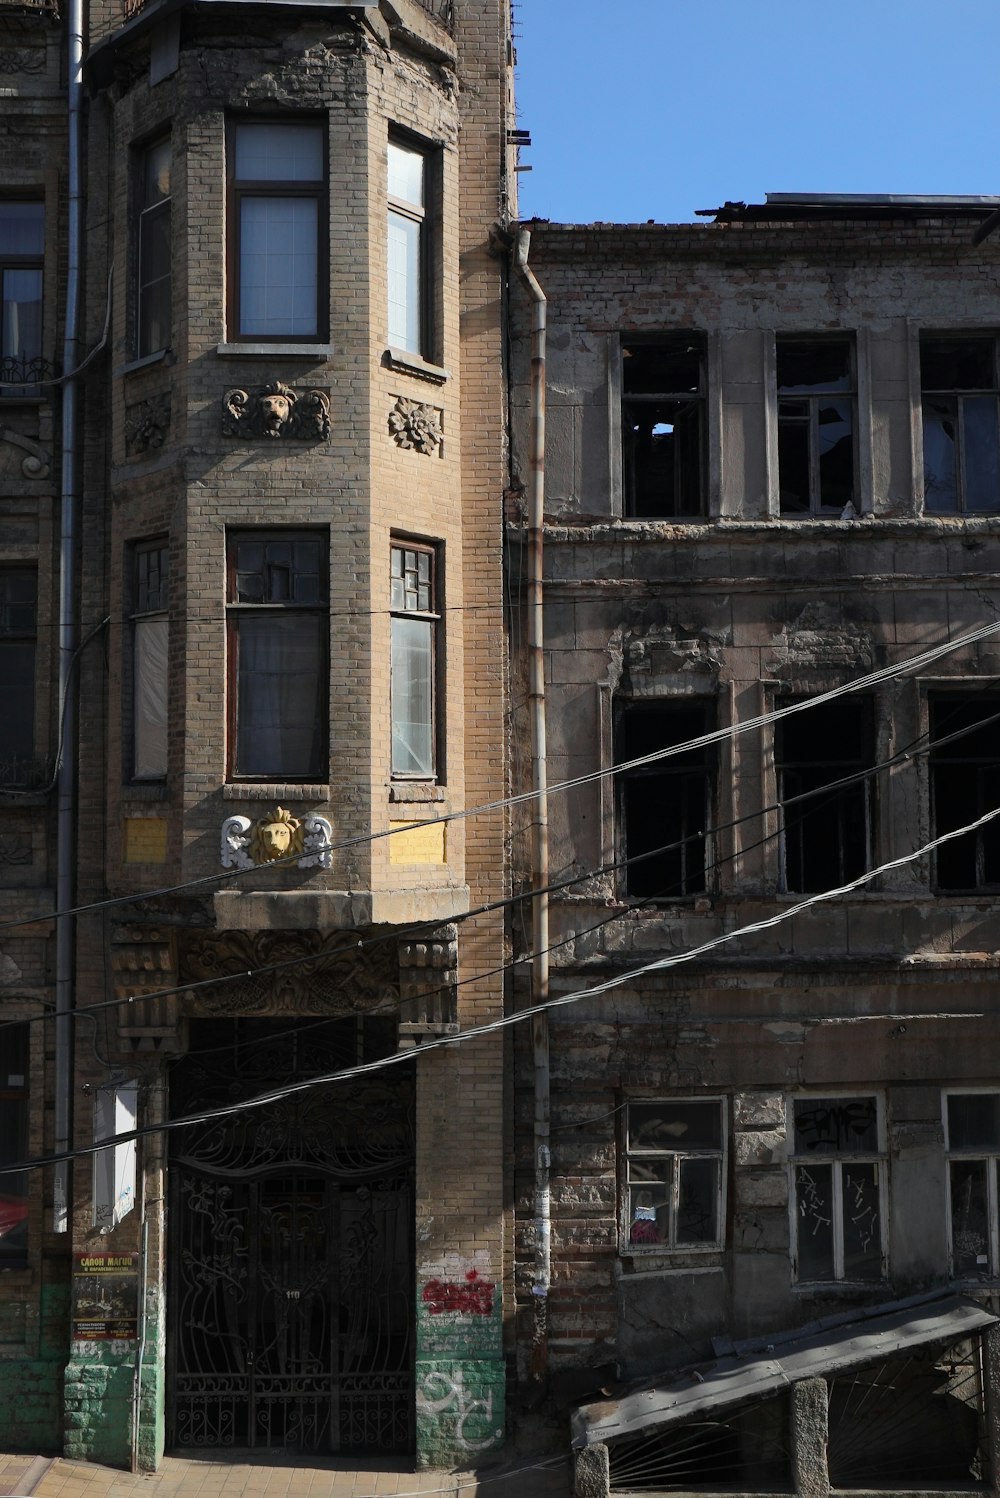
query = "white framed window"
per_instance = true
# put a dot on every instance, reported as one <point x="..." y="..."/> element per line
<point x="412" y="246"/>
<point x="972" y="1141"/>
<point x="674" y="1196"/>
<point x="838" y="1188"/>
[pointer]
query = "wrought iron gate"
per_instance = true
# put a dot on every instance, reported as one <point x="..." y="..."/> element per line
<point x="290" y="1271"/>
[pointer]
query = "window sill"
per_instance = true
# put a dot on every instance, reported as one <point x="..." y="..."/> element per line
<point x="407" y="792"/>
<point x="146" y="362"/>
<point x="286" y="350"/>
<point x="397" y="358"/>
<point x="254" y="790"/>
<point x="145" y="790"/>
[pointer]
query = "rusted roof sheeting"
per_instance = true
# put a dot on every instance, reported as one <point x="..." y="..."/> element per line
<point x="732" y="1380"/>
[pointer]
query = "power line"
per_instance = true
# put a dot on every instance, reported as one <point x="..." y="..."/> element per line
<point x="503" y="1022"/>
<point x="404" y="933"/>
<point x="716" y="736"/>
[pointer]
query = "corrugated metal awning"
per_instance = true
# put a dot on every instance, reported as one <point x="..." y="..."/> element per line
<point x="875" y="1333"/>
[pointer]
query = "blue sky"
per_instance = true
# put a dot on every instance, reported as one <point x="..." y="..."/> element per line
<point x="649" y="109"/>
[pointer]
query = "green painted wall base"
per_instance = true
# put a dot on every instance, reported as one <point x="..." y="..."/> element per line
<point x="97" y="1400"/>
<point x="31" y="1370"/>
<point x="460" y="1375"/>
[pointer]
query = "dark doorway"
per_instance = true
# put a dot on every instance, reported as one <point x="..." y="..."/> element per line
<point x="290" y="1271"/>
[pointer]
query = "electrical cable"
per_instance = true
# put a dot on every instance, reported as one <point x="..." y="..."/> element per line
<point x="885" y="673"/>
<point x="57" y="763"/>
<point x="398" y="933"/>
<point x="503" y="1022"/>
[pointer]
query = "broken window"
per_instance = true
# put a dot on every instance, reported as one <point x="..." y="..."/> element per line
<point x="965" y="783"/>
<point x="826" y="824"/>
<point x="837" y="1166"/>
<point x="675" y="1175"/>
<point x="972" y="1135"/>
<point x="815" y="425"/>
<point x="663" y="440"/>
<point x="958" y="380"/>
<point x="665" y="806"/>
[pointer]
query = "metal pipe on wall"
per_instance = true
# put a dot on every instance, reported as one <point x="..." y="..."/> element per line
<point x="540" y="825"/>
<point x="66" y="775"/>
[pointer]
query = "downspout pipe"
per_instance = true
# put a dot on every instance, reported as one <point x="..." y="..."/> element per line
<point x="66" y="775"/>
<point x="540" y="825"/>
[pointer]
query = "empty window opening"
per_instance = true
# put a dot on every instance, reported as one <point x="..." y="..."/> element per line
<point x="663" y="419"/>
<point x="837" y="1169"/>
<point x="743" y="1450"/>
<point x="958" y="379"/>
<point x="665" y="807"/>
<point x="19" y="766"/>
<point x="13" y="1143"/>
<point x="965" y="783"/>
<point x="816" y="468"/>
<point x="914" y="1420"/>
<point x="821" y="755"/>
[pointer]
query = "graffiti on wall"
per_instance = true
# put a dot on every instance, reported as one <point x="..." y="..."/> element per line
<point x="473" y="1298"/>
<point x="444" y="1392"/>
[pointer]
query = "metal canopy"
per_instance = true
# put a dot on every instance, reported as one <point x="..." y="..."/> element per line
<point x="873" y="1334"/>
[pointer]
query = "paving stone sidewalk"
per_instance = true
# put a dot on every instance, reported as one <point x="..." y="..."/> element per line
<point x="216" y="1476"/>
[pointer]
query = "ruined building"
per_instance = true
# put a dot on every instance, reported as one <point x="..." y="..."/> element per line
<point x="252" y="440"/>
<point x="770" y="543"/>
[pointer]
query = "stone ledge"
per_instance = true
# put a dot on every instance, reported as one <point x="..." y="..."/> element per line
<point x="333" y="910"/>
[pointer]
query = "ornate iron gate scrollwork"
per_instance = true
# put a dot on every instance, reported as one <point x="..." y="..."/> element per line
<point x="291" y="1258"/>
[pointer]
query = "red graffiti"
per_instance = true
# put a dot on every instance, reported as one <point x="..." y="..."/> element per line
<point x="475" y="1297"/>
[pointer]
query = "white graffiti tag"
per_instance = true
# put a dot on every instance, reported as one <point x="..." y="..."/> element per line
<point x="441" y="1393"/>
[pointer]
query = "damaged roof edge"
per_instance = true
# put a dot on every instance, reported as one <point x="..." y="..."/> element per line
<point x="873" y="1333"/>
<point x="782" y="206"/>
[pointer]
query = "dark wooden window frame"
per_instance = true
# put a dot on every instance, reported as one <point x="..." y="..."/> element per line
<point x="811" y="423"/>
<point x="235" y="610"/>
<point x="239" y="188"/>
<point x="23" y="389"/>
<point x="633" y="405"/>
<point x="136" y="613"/>
<point x="145" y="215"/>
<point x="960" y="395"/>
<point x="429" y="219"/>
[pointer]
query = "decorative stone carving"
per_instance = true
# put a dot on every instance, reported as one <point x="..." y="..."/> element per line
<point x="248" y="845"/>
<point x="147" y="424"/>
<point x="15" y="847"/>
<point x="276" y="410"/>
<point x="416" y="425"/>
<point x="288" y="972"/>
<point x="22" y="59"/>
<point x="35" y="463"/>
<point x="143" y="963"/>
<point x="428" y="978"/>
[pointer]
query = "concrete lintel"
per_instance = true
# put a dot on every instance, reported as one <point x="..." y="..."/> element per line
<point x="333" y="910"/>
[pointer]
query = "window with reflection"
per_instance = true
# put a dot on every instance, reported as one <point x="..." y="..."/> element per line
<point x="410" y="249"/>
<point x="816" y="414"/>
<point x="278" y="628"/>
<point x="153" y="251"/>
<point x="972" y="1137"/>
<point x="22" y="246"/>
<point x="415" y="619"/>
<point x="675" y="1175"/>
<point x="277" y="182"/>
<point x="663" y="426"/>
<point x="14" y="1044"/>
<point x="837" y="1166"/>
<point x="958" y="381"/>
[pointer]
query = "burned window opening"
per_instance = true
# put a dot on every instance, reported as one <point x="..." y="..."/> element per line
<point x="826" y="825"/>
<point x="665" y="808"/>
<point x="912" y="1420"/>
<point x="965" y="783"/>
<point x="816" y="399"/>
<point x="663" y="427"/>
<point x="675" y="1175"/>
<point x="961" y="423"/>
<point x="742" y="1450"/>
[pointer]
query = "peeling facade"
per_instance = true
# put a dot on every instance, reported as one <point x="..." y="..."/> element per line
<point x="761" y="491"/>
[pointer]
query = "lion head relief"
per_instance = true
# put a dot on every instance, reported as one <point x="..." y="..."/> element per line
<point x="276" y="837"/>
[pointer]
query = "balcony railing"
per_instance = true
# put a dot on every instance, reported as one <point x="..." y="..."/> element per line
<point x="443" y="11"/>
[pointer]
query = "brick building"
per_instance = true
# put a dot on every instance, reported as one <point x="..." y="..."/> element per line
<point x="253" y="451"/>
<point x="772" y="491"/>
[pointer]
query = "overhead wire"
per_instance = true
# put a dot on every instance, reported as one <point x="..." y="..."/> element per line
<point x="519" y="798"/>
<point x="818" y="794"/>
<point x="503" y="1022"/>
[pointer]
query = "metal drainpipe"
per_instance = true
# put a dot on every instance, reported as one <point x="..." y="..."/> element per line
<point x="540" y="825"/>
<point x="66" y="782"/>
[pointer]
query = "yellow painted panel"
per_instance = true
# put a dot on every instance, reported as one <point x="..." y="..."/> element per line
<point x="419" y="844"/>
<point x="145" y="839"/>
